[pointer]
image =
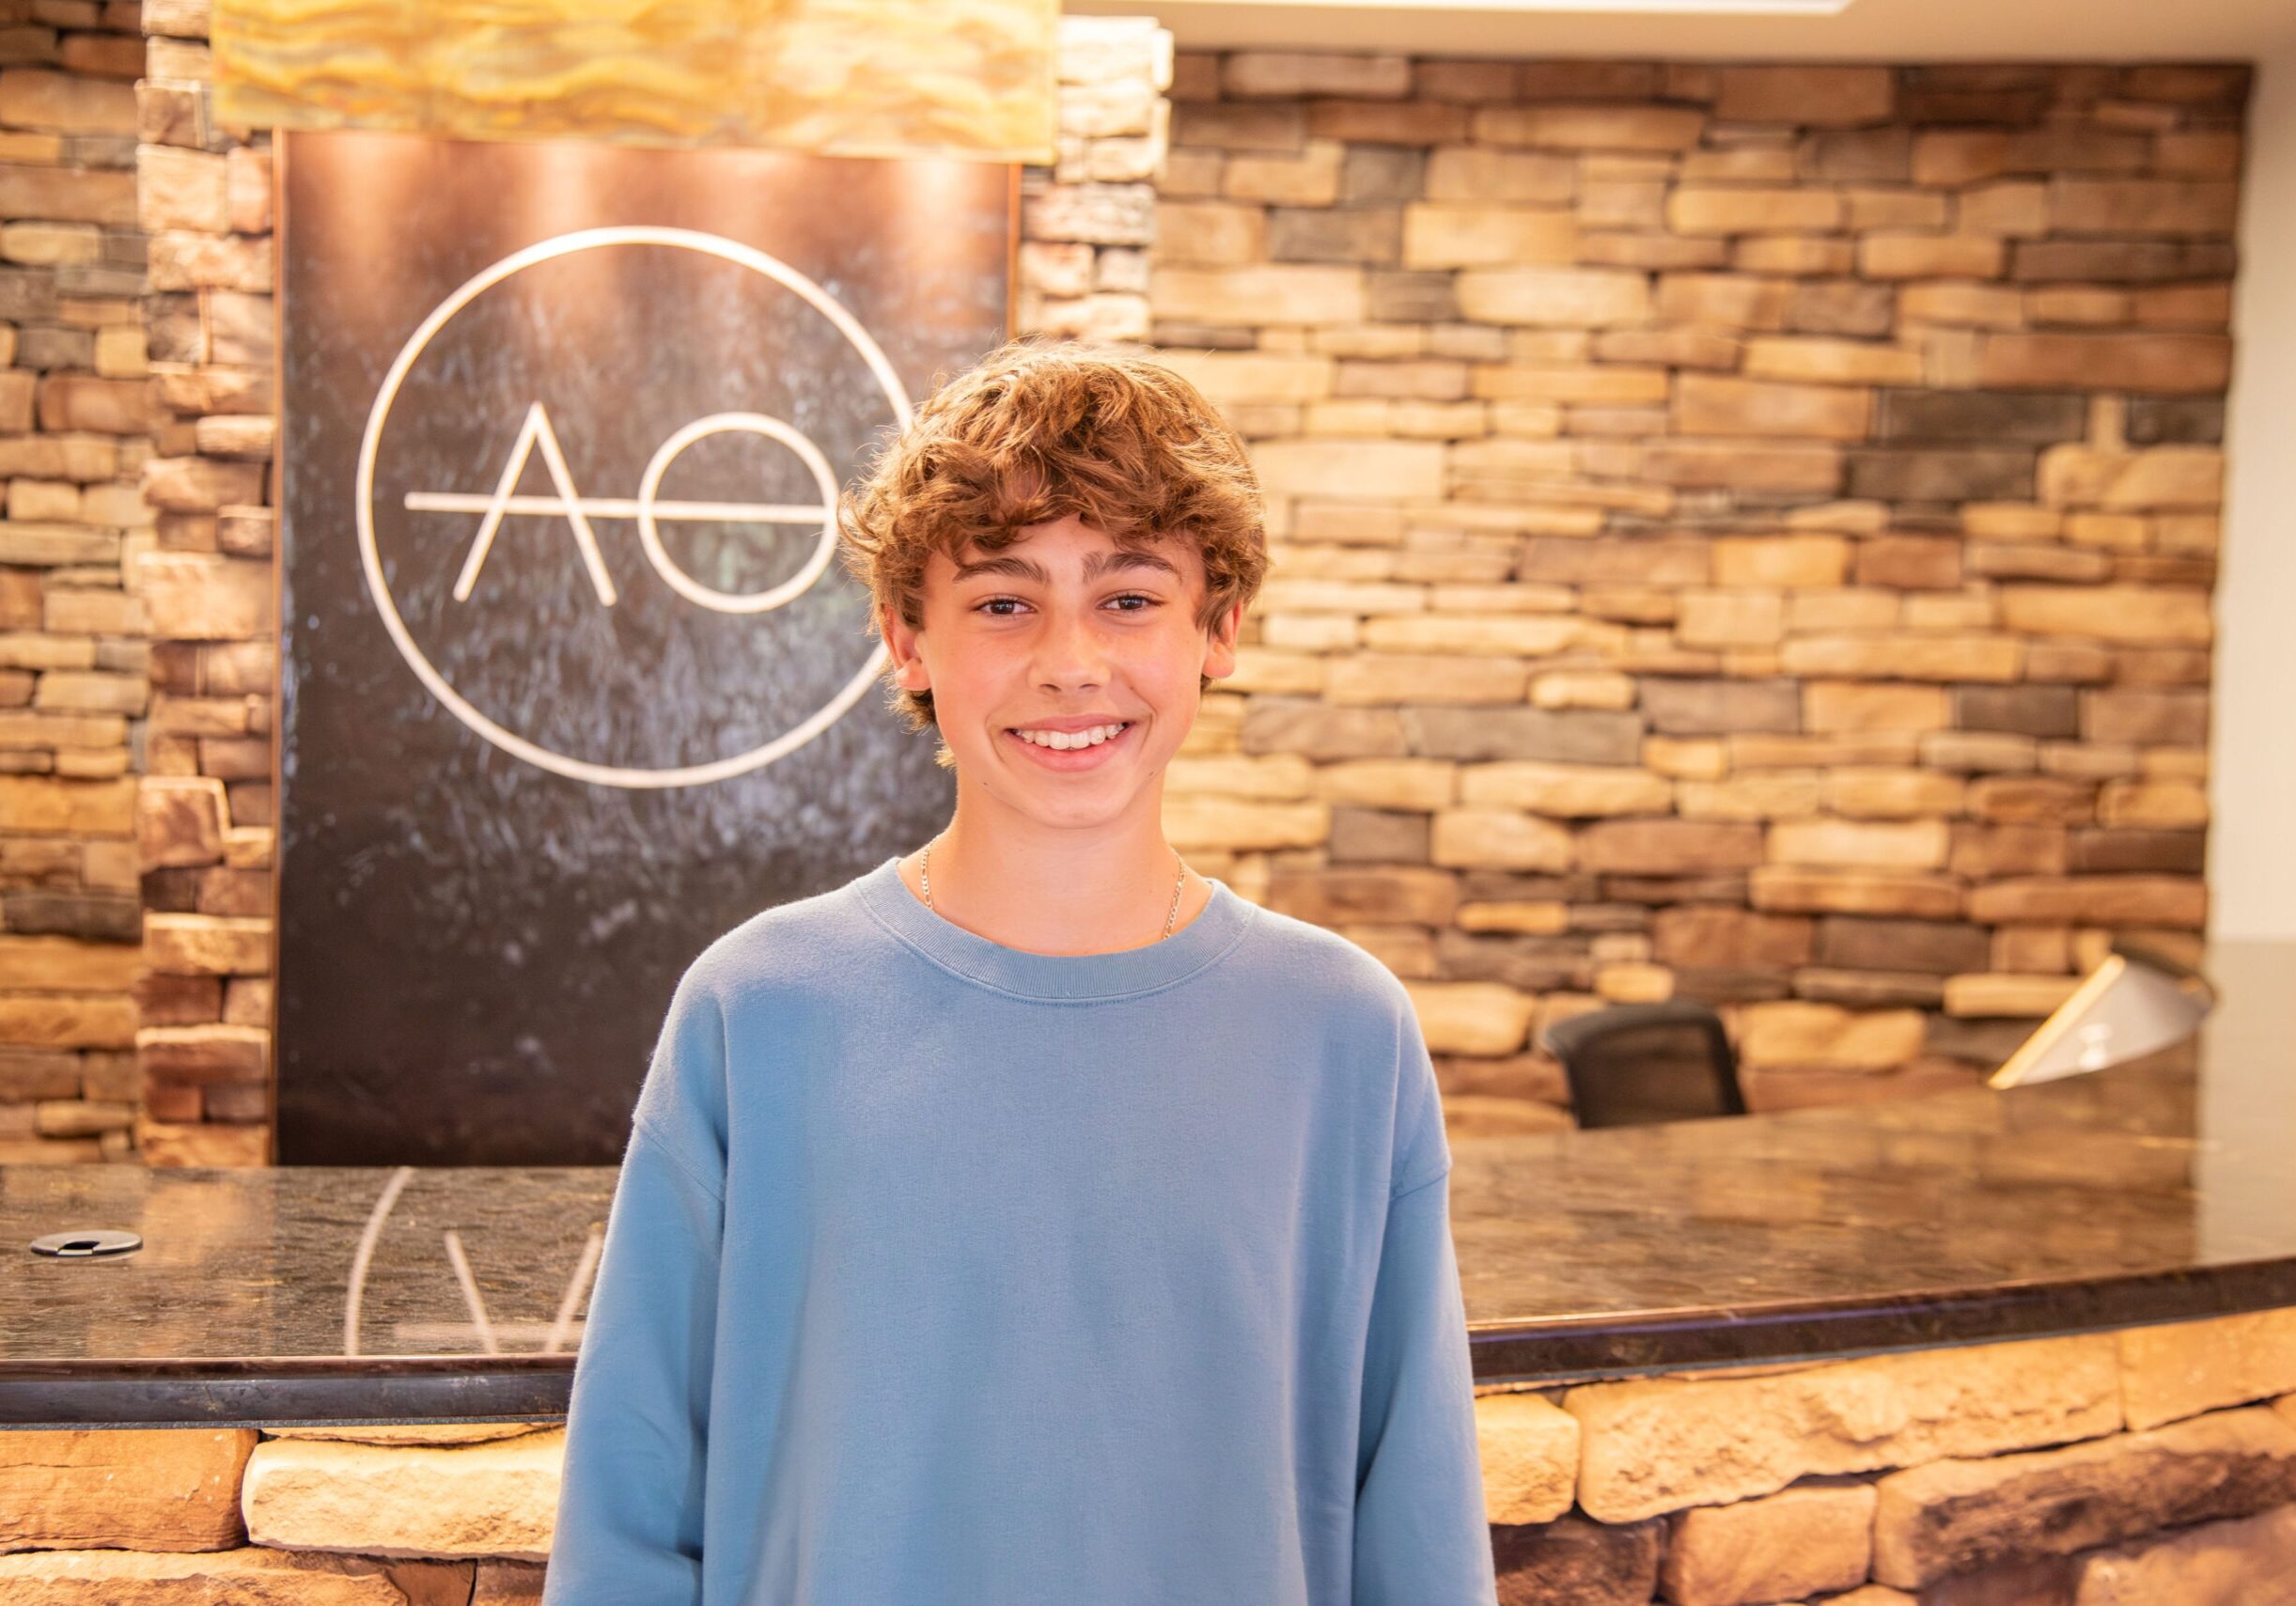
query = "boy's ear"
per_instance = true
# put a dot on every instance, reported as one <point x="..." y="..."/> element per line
<point x="1220" y="653"/>
<point x="909" y="672"/>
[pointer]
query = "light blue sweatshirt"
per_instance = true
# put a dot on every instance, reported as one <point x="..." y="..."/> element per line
<point x="944" y="1273"/>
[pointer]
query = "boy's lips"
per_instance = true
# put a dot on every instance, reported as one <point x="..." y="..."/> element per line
<point x="1070" y="722"/>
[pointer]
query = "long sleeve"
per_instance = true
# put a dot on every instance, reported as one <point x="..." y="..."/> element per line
<point x="1420" y="1532"/>
<point x="1421" y="1538"/>
<point x="628" y="1528"/>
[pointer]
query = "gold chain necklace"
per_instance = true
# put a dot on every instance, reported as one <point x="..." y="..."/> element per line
<point x="925" y="876"/>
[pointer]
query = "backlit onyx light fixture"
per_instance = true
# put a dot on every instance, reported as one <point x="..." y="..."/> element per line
<point x="877" y="78"/>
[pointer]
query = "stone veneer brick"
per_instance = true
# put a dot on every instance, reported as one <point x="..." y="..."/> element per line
<point x="1529" y="1450"/>
<point x="2246" y="1562"/>
<point x="1816" y="473"/>
<point x="2180" y="1369"/>
<point x="1807" y="1538"/>
<point x="493" y="1498"/>
<point x="1956" y="1515"/>
<point x="139" y="1489"/>
<point x="1662" y="1445"/>
<point x="1574" y="1562"/>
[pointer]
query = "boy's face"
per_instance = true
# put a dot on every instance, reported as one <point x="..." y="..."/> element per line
<point x="1062" y="625"/>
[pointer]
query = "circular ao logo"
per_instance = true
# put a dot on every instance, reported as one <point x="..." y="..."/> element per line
<point x="647" y="510"/>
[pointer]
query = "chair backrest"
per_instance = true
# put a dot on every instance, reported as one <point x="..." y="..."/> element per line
<point x="1633" y="1064"/>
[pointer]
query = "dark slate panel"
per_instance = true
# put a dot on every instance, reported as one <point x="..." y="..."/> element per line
<point x="478" y="945"/>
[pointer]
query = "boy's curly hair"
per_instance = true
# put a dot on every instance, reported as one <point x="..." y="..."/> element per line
<point x="1040" y="429"/>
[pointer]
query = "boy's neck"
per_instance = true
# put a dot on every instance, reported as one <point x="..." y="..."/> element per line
<point x="1087" y="891"/>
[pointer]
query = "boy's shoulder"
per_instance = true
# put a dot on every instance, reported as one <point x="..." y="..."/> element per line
<point x="788" y="934"/>
<point x="1309" y="966"/>
<point x="803" y="941"/>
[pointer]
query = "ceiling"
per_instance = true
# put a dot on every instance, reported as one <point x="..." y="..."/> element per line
<point x="1865" y="30"/>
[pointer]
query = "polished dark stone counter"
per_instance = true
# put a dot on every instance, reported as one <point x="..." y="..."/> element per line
<point x="2161" y="1191"/>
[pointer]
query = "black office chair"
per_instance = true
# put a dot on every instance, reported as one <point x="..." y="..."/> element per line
<point x="1634" y="1064"/>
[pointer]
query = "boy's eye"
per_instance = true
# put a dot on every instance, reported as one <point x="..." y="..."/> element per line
<point x="992" y="605"/>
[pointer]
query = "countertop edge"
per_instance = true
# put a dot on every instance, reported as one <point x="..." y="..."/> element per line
<point x="1573" y="1349"/>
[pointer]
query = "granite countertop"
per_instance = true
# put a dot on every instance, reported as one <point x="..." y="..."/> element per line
<point x="2162" y="1189"/>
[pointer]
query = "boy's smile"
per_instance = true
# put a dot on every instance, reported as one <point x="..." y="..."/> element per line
<point x="1089" y="746"/>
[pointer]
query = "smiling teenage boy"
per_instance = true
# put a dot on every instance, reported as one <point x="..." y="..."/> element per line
<point x="1031" y="1220"/>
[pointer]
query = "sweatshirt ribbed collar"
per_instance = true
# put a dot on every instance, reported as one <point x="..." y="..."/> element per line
<point x="1057" y="977"/>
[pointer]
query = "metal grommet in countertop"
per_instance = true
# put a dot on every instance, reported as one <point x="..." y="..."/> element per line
<point x="88" y="1244"/>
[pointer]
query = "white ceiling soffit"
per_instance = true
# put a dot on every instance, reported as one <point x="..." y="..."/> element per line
<point x="1745" y="30"/>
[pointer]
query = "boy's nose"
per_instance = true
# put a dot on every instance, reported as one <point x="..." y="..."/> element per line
<point x="1072" y="650"/>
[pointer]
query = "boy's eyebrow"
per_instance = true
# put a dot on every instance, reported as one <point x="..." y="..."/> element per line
<point x="1096" y="564"/>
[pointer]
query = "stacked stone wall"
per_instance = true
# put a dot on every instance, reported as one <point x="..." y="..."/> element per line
<point x="1743" y="533"/>
<point x="75" y="426"/>
<point x="207" y="811"/>
<point x="2153" y="1464"/>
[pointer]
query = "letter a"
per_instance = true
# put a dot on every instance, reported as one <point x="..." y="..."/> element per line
<point x="536" y="427"/>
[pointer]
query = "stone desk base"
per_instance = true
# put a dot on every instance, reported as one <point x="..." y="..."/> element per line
<point x="2150" y="1466"/>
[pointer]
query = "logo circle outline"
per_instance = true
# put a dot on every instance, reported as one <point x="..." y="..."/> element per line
<point x="370" y="557"/>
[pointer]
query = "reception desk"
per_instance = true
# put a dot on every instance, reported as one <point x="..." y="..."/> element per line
<point x="1984" y="1346"/>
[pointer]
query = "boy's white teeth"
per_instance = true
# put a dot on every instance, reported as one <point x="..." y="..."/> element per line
<point x="1060" y="740"/>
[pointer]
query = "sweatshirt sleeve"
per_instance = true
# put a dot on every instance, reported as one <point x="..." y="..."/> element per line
<point x="1421" y="1537"/>
<point x="629" y="1525"/>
